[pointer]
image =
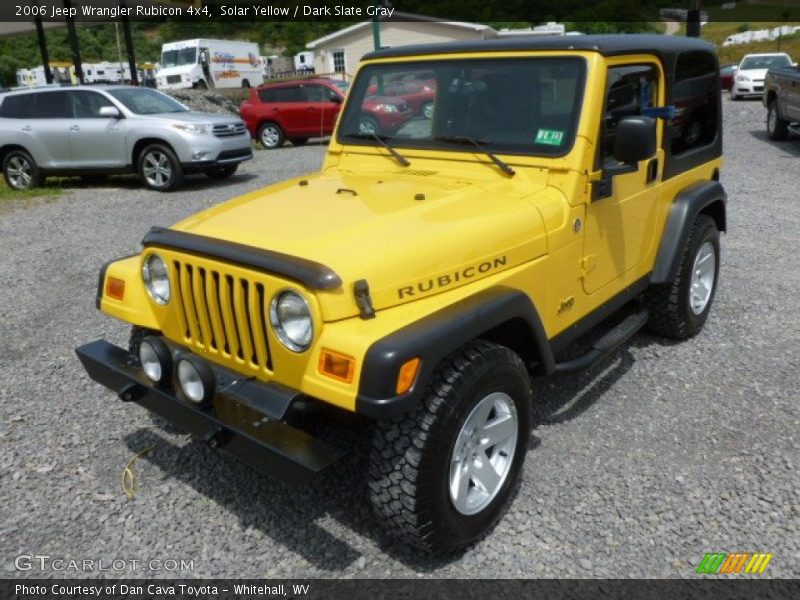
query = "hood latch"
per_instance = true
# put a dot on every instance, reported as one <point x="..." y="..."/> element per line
<point x="363" y="299"/>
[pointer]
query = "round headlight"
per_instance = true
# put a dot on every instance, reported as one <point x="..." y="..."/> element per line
<point x="291" y="320"/>
<point x="156" y="278"/>
<point x="196" y="379"/>
<point x="155" y="358"/>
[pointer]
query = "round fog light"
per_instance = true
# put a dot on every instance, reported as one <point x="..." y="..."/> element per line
<point x="196" y="379"/>
<point x="155" y="358"/>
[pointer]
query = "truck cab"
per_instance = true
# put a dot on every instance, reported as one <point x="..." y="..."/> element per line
<point x="432" y="268"/>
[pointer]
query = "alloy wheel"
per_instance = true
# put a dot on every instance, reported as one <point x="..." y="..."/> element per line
<point x="20" y="173"/>
<point x="157" y="169"/>
<point x="703" y="273"/>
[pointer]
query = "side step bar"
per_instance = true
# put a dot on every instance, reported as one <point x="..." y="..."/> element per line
<point x="606" y="344"/>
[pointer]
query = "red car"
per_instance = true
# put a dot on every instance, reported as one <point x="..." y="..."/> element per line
<point x="294" y="110"/>
<point x="301" y="109"/>
<point x="420" y="95"/>
<point x="726" y="75"/>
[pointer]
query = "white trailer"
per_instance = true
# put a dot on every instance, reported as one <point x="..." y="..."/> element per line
<point x="204" y="64"/>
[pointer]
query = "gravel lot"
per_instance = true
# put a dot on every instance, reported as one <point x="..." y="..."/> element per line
<point x="639" y="467"/>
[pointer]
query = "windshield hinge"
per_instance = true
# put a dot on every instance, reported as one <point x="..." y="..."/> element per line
<point x="363" y="299"/>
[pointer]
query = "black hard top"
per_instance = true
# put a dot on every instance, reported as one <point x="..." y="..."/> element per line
<point x="665" y="46"/>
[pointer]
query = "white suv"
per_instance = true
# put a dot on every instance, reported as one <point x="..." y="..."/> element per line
<point x="87" y="130"/>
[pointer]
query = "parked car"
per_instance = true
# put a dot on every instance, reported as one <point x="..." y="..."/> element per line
<point x="301" y="109"/>
<point x="88" y="130"/>
<point x="749" y="80"/>
<point x="726" y="76"/>
<point x="782" y="100"/>
<point x="419" y="95"/>
<point x="420" y="283"/>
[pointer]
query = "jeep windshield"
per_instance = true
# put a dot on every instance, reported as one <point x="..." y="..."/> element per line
<point x="525" y="106"/>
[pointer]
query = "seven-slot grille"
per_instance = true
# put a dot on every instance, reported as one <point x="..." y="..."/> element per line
<point x="225" y="314"/>
<point x="229" y="130"/>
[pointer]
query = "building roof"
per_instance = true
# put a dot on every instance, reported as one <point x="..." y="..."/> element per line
<point x="608" y="45"/>
<point x="396" y="17"/>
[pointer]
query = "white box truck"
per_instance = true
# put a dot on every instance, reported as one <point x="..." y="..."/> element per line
<point x="209" y="64"/>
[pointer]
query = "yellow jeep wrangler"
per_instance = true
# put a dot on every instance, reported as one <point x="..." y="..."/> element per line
<point x="482" y="206"/>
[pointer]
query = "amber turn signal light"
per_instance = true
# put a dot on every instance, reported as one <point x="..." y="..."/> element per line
<point x="338" y="366"/>
<point x="115" y="288"/>
<point x="407" y="375"/>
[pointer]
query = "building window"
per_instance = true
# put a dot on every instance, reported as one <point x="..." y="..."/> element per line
<point x="338" y="61"/>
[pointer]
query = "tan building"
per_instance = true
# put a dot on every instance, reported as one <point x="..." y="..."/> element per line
<point x="340" y="52"/>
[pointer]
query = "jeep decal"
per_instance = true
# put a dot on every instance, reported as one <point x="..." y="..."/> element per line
<point x="425" y="286"/>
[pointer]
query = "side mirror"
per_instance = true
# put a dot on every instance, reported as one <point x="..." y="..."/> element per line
<point x="110" y="112"/>
<point x="635" y="139"/>
<point x="336" y="99"/>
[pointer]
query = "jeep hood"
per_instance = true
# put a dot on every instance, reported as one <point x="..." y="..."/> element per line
<point x="407" y="234"/>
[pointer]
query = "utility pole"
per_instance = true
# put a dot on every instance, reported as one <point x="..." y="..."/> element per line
<point x="693" y="20"/>
<point x="48" y="74"/>
<point x="73" y="42"/>
<point x="126" y="30"/>
<point x="376" y="27"/>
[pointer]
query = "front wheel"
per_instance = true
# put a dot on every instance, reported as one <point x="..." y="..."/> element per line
<point x="159" y="168"/>
<point x="221" y="172"/>
<point x="777" y="128"/>
<point x="679" y="309"/>
<point x="442" y="476"/>
<point x="427" y="110"/>
<point x="368" y="125"/>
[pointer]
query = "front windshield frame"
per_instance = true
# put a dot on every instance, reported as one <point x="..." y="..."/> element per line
<point x="124" y="96"/>
<point x="359" y="87"/>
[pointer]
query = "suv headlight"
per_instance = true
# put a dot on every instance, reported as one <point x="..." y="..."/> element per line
<point x="156" y="278"/>
<point x="197" y="128"/>
<point x="290" y="317"/>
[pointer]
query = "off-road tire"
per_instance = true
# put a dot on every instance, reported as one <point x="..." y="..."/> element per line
<point x="777" y="128"/>
<point x="669" y="304"/>
<point x="410" y="457"/>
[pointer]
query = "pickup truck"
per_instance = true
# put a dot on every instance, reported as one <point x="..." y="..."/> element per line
<point x="782" y="100"/>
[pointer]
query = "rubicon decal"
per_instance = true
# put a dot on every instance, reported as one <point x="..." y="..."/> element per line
<point x="447" y="279"/>
<point x="717" y="563"/>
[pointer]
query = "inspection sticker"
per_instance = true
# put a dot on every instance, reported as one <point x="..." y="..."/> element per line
<point x="551" y="137"/>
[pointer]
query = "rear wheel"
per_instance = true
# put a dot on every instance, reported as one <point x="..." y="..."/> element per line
<point x="271" y="136"/>
<point x="427" y="110"/>
<point x="777" y="128"/>
<point x="442" y="476"/>
<point x="21" y="171"/>
<point x="679" y="309"/>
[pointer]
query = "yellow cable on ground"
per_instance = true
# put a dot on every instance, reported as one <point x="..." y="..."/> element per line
<point x="128" y="476"/>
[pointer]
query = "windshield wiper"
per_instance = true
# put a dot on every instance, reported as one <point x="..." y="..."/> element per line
<point x="480" y="145"/>
<point x="382" y="141"/>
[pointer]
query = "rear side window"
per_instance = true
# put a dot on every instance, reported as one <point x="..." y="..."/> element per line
<point x="52" y="105"/>
<point x="695" y="100"/>
<point x="16" y="107"/>
<point x="283" y="94"/>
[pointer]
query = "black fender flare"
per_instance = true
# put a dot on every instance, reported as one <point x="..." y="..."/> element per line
<point x="435" y="336"/>
<point x="706" y="197"/>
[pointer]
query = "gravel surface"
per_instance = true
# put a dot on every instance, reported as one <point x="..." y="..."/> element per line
<point x="639" y="467"/>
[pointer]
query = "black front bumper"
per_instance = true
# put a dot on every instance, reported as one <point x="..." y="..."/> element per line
<point x="242" y="426"/>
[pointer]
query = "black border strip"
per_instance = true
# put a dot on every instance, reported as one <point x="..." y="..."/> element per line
<point x="311" y="274"/>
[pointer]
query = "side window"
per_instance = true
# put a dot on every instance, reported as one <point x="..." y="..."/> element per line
<point x="695" y="100"/>
<point x="266" y="95"/>
<point x="52" y="105"/>
<point x="291" y="93"/>
<point x="629" y="89"/>
<point x="87" y="105"/>
<point x="17" y="107"/>
<point x="316" y="93"/>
